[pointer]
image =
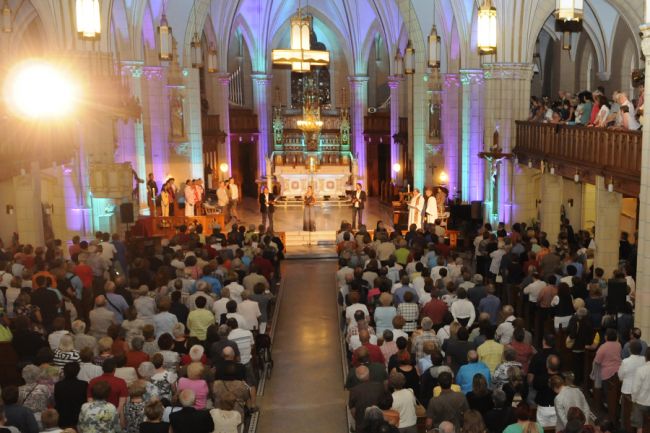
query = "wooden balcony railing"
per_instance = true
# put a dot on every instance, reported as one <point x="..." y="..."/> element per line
<point x="379" y="124"/>
<point x="593" y="152"/>
<point x="243" y="121"/>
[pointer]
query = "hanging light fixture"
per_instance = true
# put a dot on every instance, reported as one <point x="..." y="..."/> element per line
<point x="6" y="17"/>
<point x="487" y="28"/>
<point x="566" y="41"/>
<point x="300" y="56"/>
<point x="164" y="38"/>
<point x="409" y="53"/>
<point x="409" y="59"/>
<point x="197" y="51"/>
<point x="399" y="63"/>
<point x="569" y="10"/>
<point x="212" y="59"/>
<point x="88" y="18"/>
<point x="434" y="43"/>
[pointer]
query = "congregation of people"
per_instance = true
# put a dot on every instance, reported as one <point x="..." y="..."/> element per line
<point x="591" y="109"/>
<point x="513" y="333"/>
<point x="103" y="337"/>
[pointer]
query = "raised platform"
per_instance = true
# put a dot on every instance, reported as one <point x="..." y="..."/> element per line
<point x="166" y="227"/>
<point x="297" y="201"/>
<point x="300" y="238"/>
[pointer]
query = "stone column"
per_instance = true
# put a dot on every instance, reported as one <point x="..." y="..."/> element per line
<point x="551" y="206"/>
<point x="394" y="82"/>
<point x="261" y="106"/>
<point x="131" y="136"/>
<point x="507" y="95"/>
<point x="155" y="120"/>
<point x="28" y="207"/>
<point x="526" y="191"/>
<point x="642" y="311"/>
<point x="450" y="113"/>
<point x="359" y="108"/>
<point x="223" y="109"/>
<point x="472" y="168"/>
<point x="193" y="112"/>
<point x="608" y="215"/>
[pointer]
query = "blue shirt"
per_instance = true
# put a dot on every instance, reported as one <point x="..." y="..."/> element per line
<point x="399" y="295"/>
<point x="491" y="305"/>
<point x="214" y="283"/>
<point x="466" y="374"/>
<point x="117" y="305"/>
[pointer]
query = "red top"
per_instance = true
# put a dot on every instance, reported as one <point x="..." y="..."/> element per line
<point x="373" y="351"/>
<point x="435" y="310"/>
<point x="134" y="359"/>
<point x="118" y="388"/>
<point x="85" y="274"/>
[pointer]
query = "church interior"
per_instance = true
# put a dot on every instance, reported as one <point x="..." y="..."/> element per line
<point x="509" y="113"/>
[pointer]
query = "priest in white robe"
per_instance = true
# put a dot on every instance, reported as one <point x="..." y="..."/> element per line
<point x="430" y="207"/>
<point x="416" y="205"/>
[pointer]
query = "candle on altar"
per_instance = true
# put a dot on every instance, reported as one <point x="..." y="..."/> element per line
<point x="408" y="187"/>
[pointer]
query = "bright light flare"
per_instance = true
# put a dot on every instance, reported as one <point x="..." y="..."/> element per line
<point x="38" y="89"/>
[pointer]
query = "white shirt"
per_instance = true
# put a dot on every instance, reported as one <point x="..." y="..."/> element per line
<point x="88" y="371"/>
<point x="250" y="310"/>
<point x="222" y="197"/>
<point x="505" y="330"/>
<point x="357" y="195"/>
<point x="241" y="321"/>
<point x="627" y="372"/>
<point x="495" y="264"/>
<point x="349" y="311"/>
<point x="108" y="250"/>
<point x="568" y="280"/>
<point x="244" y="341"/>
<point x="219" y="307"/>
<point x="236" y="290"/>
<point x="404" y="402"/>
<point x="234" y="191"/>
<point x="533" y="289"/>
<point x="190" y="196"/>
<point x="462" y="309"/>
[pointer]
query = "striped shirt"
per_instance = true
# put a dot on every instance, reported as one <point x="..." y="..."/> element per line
<point x="244" y="341"/>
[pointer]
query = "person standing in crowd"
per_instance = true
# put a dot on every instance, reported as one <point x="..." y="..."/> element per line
<point x="267" y="207"/>
<point x="152" y="194"/>
<point x="359" y="198"/>
<point x="233" y="195"/>
<point x="190" y="198"/>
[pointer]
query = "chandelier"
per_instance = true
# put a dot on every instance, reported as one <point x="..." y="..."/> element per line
<point x="569" y="10"/>
<point x="487" y="28"/>
<point x="300" y="56"/>
<point x="88" y="17"/>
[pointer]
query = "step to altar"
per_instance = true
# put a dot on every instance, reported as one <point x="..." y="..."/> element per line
<point x="301" y="238"/>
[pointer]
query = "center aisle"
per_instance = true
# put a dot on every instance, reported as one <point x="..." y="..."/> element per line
<point x="305" y="392"/>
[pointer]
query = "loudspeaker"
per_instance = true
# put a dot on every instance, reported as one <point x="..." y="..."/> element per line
<point x="126" y="213"/>
<point x="477" y="210"/>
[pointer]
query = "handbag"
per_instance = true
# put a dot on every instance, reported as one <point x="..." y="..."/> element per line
<point x="569" y="342"/>
<point x="420" y="411"/>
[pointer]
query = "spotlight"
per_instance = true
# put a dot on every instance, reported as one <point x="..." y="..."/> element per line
<point x="38" y="89"/>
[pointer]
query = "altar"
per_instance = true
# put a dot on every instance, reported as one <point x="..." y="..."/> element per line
<point x="311" y="147"/>
<point x="329" y="180"/>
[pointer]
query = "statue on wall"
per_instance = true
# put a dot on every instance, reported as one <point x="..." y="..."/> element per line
<point x="176" y="116"/>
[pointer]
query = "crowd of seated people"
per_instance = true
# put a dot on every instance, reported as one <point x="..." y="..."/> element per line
<point x="592" y="109"/>
<point x="520" y="334"/>
<point x="117" y="338"/>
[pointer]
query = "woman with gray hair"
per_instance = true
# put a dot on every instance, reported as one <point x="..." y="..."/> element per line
<point x="404" y="402"/>
<point x="34" y="395"/>
<point x="145" y="371"/>
<point x="66" y="352"/>
<point x="81" y="339"/>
